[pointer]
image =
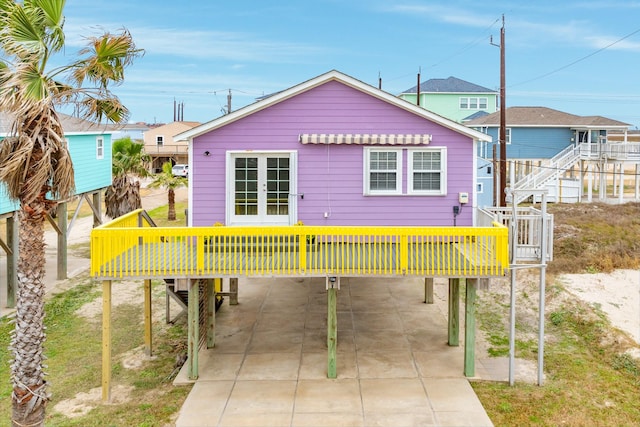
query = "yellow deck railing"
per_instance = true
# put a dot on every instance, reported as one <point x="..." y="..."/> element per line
<point x="128" y="247"/>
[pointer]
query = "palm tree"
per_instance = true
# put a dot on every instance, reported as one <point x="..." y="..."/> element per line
<point x="167" y="180"/>
<point x="129" y="161"/>
<point x="35" y="165"/>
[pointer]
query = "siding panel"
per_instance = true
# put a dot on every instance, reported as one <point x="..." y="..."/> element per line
<point x="331" y="176"/>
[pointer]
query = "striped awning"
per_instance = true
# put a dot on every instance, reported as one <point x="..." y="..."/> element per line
<point x="365" y="139"/>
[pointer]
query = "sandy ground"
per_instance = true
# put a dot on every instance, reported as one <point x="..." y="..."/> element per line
<point x="616" y="294"/>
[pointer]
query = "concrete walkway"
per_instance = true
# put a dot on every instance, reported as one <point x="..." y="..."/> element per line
<point x="268" y="367"/>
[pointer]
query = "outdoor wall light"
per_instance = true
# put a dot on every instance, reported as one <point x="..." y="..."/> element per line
<point x="207" y="153"/>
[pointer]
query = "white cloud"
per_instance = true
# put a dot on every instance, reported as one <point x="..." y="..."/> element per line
<point x="465" y="17"/>
<point x="199" y="44"/>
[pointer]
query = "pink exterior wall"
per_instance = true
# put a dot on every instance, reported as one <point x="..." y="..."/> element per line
<point x="331" y="177"/>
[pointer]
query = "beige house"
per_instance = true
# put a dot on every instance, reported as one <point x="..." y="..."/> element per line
<point x="160" y="145"/>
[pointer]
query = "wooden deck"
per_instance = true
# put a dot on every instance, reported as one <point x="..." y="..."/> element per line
<point x="121" y="251"/>
<point x="180" y="260"/>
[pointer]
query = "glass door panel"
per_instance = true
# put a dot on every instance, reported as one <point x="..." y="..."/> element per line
<point x="261" y="188"/>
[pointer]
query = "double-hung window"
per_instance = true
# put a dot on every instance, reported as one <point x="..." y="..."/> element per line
<point x="99" y="148"/>
<point x="159" y="140"/>
<point x="473" y="103"/>
<point x="383" y="171"/>
<point x="426" y="172"/>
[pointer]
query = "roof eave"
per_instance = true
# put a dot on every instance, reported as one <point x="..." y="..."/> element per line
<point x="317" y="81"/>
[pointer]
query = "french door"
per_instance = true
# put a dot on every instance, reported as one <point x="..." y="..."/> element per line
<point x="261" y="188"/>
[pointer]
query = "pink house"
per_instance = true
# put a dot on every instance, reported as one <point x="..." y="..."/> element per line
<point x="332" y="151"/>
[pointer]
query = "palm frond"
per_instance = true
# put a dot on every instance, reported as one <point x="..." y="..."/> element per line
<point x="103" y="107"/>
<point x="24" y="32"/>
<point x="34" y="84"/>
<point x="107" y="57"/>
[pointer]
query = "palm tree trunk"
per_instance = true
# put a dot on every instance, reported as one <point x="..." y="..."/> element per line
<point x="171" y="214"/>
<point x="30" y="396"/>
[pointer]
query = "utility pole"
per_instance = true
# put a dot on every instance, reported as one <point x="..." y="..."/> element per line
<point x="418" y="88"/>
<point x="503" y="120"/>
<point x="229" y="102"/>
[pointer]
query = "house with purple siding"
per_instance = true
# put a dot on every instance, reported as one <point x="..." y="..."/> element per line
<point x="332" y="151"/>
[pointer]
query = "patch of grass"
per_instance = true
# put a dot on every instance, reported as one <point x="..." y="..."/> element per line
<point x="73" y="348"/>
<point x="160" y="214"/>
<point x="595" y="237"/>
<point x="588" y="381"/>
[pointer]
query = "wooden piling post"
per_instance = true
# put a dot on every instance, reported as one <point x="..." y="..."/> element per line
<point x="332" y="328"/>
<point x="147" y="318"/>
<point x="454" y="311"/>
<point x="193" y="320"/>
<point x="106" y="340"/>
<point x="428" y="290"/>
<point x="470" y="328"/>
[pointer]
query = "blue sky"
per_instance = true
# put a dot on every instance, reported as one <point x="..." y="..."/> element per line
<point x="581" y="57"/>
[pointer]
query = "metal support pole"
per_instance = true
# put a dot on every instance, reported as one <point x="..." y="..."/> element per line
<point x="512" y="305"/>
<point x="543" y="270"/>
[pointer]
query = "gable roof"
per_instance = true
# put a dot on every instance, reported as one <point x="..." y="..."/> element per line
<point x="318" y="81"/>
<point x="70" y="125"/>
<point x="449" y="85"/>
<point x="545" y="117"/>
<point x="475" y="115"/>
<point x="171" y="130"/>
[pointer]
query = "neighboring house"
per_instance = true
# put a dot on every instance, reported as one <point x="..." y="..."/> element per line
<point x="537" y="133"/>
<point x="90" y="148"/>
<point x="453" y="98"/>
<point x="332" y="151"/>
<point x="484" y="186"/>
<point x="542" y="140"/>
<point x="135" y="131"/>
<point x="162" y="146"/>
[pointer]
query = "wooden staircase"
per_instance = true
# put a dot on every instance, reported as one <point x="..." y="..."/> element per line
<point x="177" y="290"/>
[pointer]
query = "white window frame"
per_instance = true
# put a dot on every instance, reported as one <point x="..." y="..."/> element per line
<point x="367" y="172"/>
<point x="473" y="102"/>
<point x="160" y="140"/>
<point x="507" y="136"/>
<point x="99" y="147"/>
<point x="230" y="218"/>
<point x="443" y="172"/>
<point x="480" y="188"/>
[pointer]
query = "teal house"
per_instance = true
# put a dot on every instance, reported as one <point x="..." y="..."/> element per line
<point x="90" y="148"/>
<point x="453" y="98"/>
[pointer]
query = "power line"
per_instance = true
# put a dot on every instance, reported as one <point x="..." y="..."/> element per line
<point x="577" y="60"/>
<point x="465" y="48"/>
